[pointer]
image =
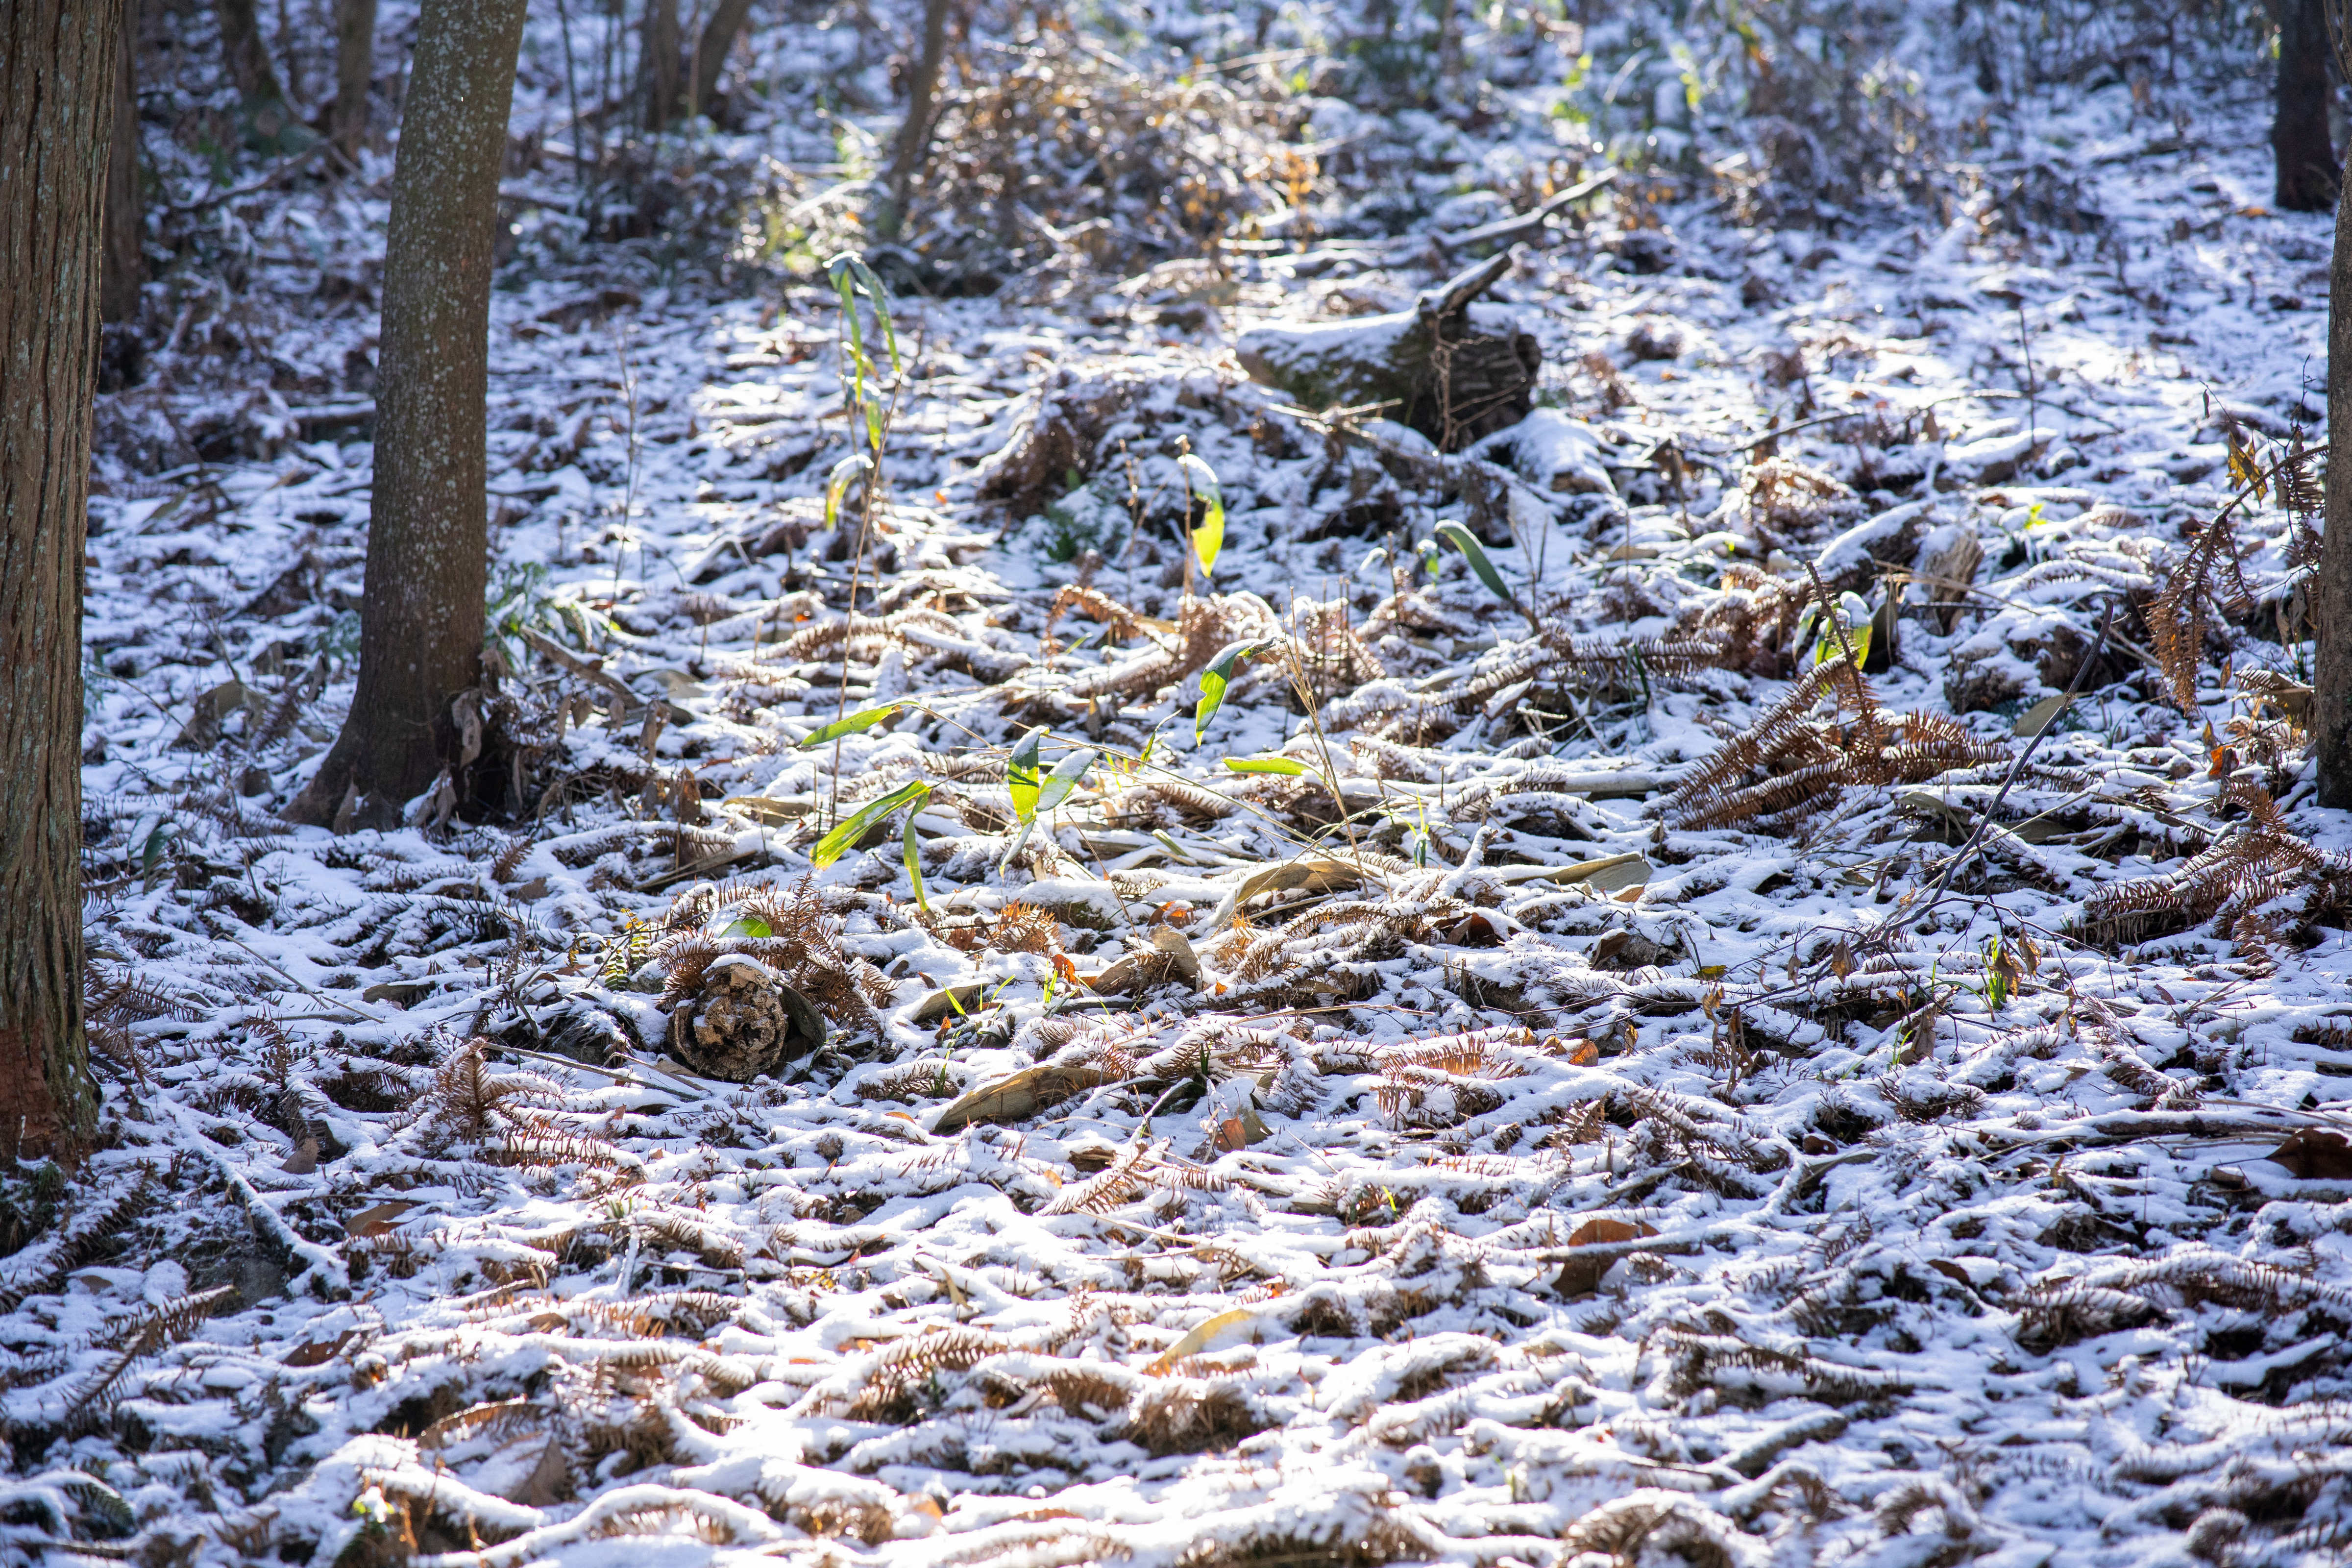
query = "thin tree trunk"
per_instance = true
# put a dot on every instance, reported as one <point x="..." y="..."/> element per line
<point x="126" y="223"/>
<point x="2299" y="141"/>
<point x="2331" y="589"/>
<point x="421" y="610"/>
<point x="711" y="50"/>
<point x="914" y="142"/>
<point x="657" y="63"/>
<point x="354" y="73"/>
<point x="56" y="108"/>
<point x="245" y="53"/>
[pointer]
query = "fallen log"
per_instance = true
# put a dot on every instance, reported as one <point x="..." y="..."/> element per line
<point x="1451" y="373"/>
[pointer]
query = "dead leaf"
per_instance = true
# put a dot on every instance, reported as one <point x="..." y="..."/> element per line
<point x="1610" y="874"/>
<point x="951" y="1002"/>
<point x="1317" y="876"/>
<point x="2315" y="1155"/>
<point x="1171" y="958"/>
<point x="1018" y="1097"/>
<point x="1581" y="1276"/>
<point x="1223" y="1326"/>
<point x="2039" y="717"/>
<point x="1950" y="1270"/>
<point x="1583" y="1053"/>
<point x="376" y="1221"/>
<point x="1240" y="1130"/>
<point x="318" y="1353"/>
<point x="767" y="808"/>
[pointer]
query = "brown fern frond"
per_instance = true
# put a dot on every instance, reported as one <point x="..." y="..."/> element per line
<point x="2178" y="617"/>
<point x="1097" y="606"/>
<point x="1114" y="1184"/>
<point x="505" y="1419"/>
<point x="1649" y="656"/>
<point x="901" y="1365"/>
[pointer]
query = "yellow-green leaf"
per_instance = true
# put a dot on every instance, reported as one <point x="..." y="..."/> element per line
<point x="1462" y="538"/>
<point x="863" y="718"/>
<point x="1265" y="765"/>
<point x="1022" y="778"/>
<point x="915" y="865"/>
<point x="1065" y="778"/>
<point x="843" y="471"/>
<point x="1213" y="681"/>
<point x="1209" y="536"/>
<point x="849" y="830"/>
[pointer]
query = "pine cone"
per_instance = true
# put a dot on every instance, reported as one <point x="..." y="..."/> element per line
<point x="743" y="1021"/>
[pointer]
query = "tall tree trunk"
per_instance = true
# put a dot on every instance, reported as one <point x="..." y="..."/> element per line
<point x="421" y="609"/>
<point x="914" y="142"/>
<point x="354" y="73"/>
<point x="126" y="222"/>
<point x="2331" y="589"/>
<point x="262" y="98"/>
<point x="710" y="51"/>
<point x="2299" y="140"/>
<point x="56" y="105"/>
<point x="657" y="63"/>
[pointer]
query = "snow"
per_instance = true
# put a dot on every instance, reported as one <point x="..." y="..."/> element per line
<point x="2007" y="1278"/>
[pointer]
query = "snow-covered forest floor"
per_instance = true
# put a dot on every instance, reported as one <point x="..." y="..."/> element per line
<point x="1604" y="1083"/>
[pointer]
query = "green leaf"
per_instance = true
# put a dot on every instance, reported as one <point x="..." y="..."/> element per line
<point x="915" y="865"/>
<point x="1854" y="615"/>
<point x="1021" y="779"/>
<point x="1265" y="765"/>
<point x="843" y="471"/>
<point x="851" y="277"/>
<point x="1213" y="681"/>
<point x="863" y="718"/>
<point x="1209" y="538"/>
<point x="1065" y="778"/>
<point x="1027" y="828"/>
<point x="1462" y="538"/>
<point x="746" y="925"/>
<point x="849" y="830"/>
<point x="855" y="393"/>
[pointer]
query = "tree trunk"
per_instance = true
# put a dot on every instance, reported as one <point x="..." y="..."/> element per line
<point x="57" y="105"/>
<point x="2299" y="140"/>
<point x="711" y="48"/>
<point x="126" y="222"/>
<point x="2331" y="589"/>
<point x="915" y="130"/>
<point x="354" y="73"/>
<point x="421" y="610"/>
<point x="657" y="63"/>
<point x="261" y="98"/>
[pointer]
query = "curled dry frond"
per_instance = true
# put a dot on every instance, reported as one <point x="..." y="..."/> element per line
<point x="2179" y="618"/>
<point x="1793" y="757"/>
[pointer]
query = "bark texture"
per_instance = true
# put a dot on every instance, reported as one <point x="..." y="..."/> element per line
<point x="56" y="108"/>
<point x="657" y="70"/>
<point x="421" y="611"/>
<point x="711" y="50"/>
<point x="246" y="57"/>
<point x="347" y="124"/>
<point x="915" y="130"/>
<point x="126" y="223"/>
<point x="2331" y="595"/>
<point x="2299" y="139"/>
